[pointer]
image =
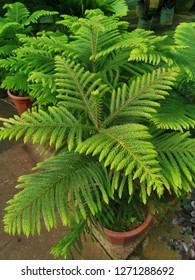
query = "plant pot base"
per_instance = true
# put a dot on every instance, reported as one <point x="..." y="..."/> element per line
<point x="125" y="238"/>
<point x="21" y="103"/>
<point x="122" y="251"/>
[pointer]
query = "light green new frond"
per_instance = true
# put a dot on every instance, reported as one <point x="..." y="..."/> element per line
<point x="127" y="41"/>
<point x="6" y="27"/>
<point x="17" y="82"/>
<point x="71" y="240"/>
<point x="43" y="88"/>
<point x="57" y="187"/>
<point x="57" y="126"/>
<point x="35" y="59"/>
<point x="119" y="7"/>
<point x="153" y="58"/>
<point x="185" y="57"/>
<point x="110" y="66"/>
<point x="126" y="147"/>
<point x="76" y="86"/>
<point x="176" y="153"/>
<point x="34" y="17"/>
<point x="13" y="64"/>
<point x="6" y="49"/>
<point x="16" y="12"/>
<point x="50" y="42"/>
<point x="154" y="53"/>
<point x="175" y="114"/>
<point x="142" y="96"/>
<point x="94" y="33"/>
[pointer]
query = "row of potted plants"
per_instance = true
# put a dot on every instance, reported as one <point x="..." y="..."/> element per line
<point x="114" y="105"/>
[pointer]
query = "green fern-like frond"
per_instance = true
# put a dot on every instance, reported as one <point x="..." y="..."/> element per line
<point x="48" y="41"/>
<point x="13" y="64"/>
<point x="185" y="56"/>
<point x="126" y="147"/>
<point x="5" y="50"/>
<point x="35" y="59"/>
<point x="7" y="26"/>
<point x="176" y="157"/>
<point x="57" y="126"/>
<point x="16" y="12"/>
<point x="141" y="46"/>
<point x="37" y="66"/>
<point x="70" y="241"/>
<point x="119" y="7"/>
<point x="94" y="33"/>
<point x="175" y="114"/>
<point x="17" y="82"/>
<point x="155" y="51"/>
<point x="76" y="86"/>
<point x="60" y="187"/>
<point x="34" y="17"/>
<point x="142" y="96"/>
<point x="42" y="88"/>
<point x="128" y="41"/>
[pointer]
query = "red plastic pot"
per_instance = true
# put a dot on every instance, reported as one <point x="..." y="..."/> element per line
<point x="22" y="103"/>
<point x="123" y="238"/>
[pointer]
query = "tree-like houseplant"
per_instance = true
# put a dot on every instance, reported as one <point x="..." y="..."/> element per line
<point x="111" y="153"/>
<point x="17" y="20"/>
<point x="30" y="69"/>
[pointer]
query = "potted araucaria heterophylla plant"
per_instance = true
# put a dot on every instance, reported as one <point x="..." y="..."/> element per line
<point x="17" y="20"/>
<point x="31" y="67"/>
<point x="111" y="154"/>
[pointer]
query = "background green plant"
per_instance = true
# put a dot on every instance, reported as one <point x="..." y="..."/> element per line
<point x="17" y="20"/>
<point x="75" y="7"/>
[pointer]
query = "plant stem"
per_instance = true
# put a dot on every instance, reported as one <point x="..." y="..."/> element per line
<point x="5" y="120"/>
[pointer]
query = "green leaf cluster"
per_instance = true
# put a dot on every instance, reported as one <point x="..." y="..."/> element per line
<point x="17" y="20"/>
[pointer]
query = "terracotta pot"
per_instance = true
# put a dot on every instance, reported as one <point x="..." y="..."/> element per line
<point x="183" y="7"/>
<point x="124" y="238"/>
<point x="21" y="103"/>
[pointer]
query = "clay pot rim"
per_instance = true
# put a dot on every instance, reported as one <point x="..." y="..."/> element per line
<point x="130" y="233"/>
<point x="17" y="97"/>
